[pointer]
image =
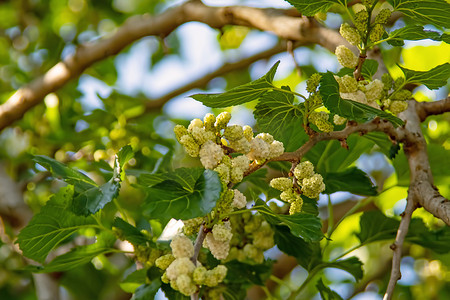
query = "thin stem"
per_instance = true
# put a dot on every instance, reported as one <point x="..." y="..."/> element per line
<point x="305" y="283"/>
<point x="397" y="247"/>
<point x="280" y="282"/>
<point x="120" y="209"/>
<point x="349" y="251"/>
<point x="330" y="217"/>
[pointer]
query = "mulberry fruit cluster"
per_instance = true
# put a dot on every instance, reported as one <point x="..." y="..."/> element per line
<point x="364" y="92"/>
<point x="396" y="100"/>
<point x="308" y="183"/>
<point x="252" y="235"/>
<point x="182" y="274"/>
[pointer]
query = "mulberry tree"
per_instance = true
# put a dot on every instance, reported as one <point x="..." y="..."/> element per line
<point x="295" y="178"/>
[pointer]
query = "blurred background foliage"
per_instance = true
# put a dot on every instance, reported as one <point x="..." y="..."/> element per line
<point x="85" y="123"/>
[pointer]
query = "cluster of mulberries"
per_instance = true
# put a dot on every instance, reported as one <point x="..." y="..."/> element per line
<point x="396" y="101"/>
<point x="308" y="183"/>
<point x="363" y="91"/>
<point x="252" y="235"/>
<point x="182" y="274"/>
<point x="213" y="137"/>
<point x="218" y="240"/>
<point x="320" y="119"/>
<point x="147" y="255"/>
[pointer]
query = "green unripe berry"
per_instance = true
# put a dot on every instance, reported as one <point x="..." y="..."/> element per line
<point x="350" y="34"/>
<point x="376" y="33"/>
<point x="361" y="20"/>
<point x="313" y="82"/>
<point x="387" y="81"/>
<point x="383" y="16"/>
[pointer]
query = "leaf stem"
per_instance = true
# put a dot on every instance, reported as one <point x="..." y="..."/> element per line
<point x="280" y="282"/>
<point x="120" y="209"/>
<point x="289" y="92"/>
<point x="311" y="275"/>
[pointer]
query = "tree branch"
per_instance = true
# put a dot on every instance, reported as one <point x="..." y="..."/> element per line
<point x="397" y="247"/>
<point x="136" y="27"/>
<point x="422" y="187"/>
<point x="156" y="104"/>
<point x="425" y="109"/>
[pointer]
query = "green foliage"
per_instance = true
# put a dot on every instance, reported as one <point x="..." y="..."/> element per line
<point x="352" y="180"/>
<point x="70" y="175"/>
<point x="129" y="232"/>
<point x="375" y="226"/>
<point x="329" y="89"/>
<point x="310" y="8"/>
<point x="77" y="142"/>
<point x="276" y="113"/>
<point x="369" y="68"/>
<point x="303" y="225"/>
<point x="413" y="33"/>
<point x="434" y="12"/>
<point x="147" y="291"/>
<point x="79" y="255"/>
<point x="243" y="273"/>
<point x="326" y="293"/>
<point x="432" y="79"/>
<point x="190" y="193"/>
<point x="241" y="94"/>
<point x="52" y="225"/>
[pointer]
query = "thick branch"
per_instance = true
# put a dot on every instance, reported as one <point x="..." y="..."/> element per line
<point x="422" y="187"/>
<point x="425" y="109"/>
<point x="273" y="20"/>
<point x="397" y="247"/>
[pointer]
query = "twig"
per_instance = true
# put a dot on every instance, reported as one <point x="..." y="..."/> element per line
<point x="156" y="104"/>
<point x="290" y="49"/>
<point x="397" y="247"/>
<point x="197" y="247"/>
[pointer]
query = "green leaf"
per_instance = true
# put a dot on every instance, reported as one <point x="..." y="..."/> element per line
<point x="303" y="225"/>
<point x="80" y="255"/>
<point x="326" y="293"/>
<point x="191" y="193"/>
<point x="308" y="255"/>
<point x="92" y="200"/>
<point x="375" y="226"/>
<point x="436" y="240"/>
<point x="125" y="154"/>
<point x="52" y="225"/>
<point x="277" y="115"/>
<point x="310" y="8"/>
<point x="352" y="110"/>
<point x="413" y="33"/>
<point x="70" y="175"/>
<point x="351" y="265"/>
<point x="241" y="94"/>
<point x="147" y="291"/>
<point x="134" y="280"/>
<point x="351" y="180"/>
<point x="432" y="79"/>
<point x="423" y="12"/>
<point x="129" y="232"/>
<point x="369" y="68"/>
<point x="239" y="272"/>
